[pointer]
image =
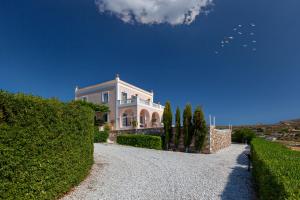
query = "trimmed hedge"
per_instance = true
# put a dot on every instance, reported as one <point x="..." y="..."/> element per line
<point x="144" y="141"/>
<point x="276" y="170"/>
<point x="46" y="147"/>
<point x="100" y="136"/>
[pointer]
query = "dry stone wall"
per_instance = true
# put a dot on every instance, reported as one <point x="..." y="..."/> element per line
<point x="219" y="139"/>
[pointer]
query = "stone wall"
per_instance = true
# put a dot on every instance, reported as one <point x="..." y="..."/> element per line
<point x="216" y="140"/>
<point x="219" y="139"/>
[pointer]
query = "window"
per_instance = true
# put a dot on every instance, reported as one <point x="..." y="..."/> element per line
<point x="125" y="120"/>
<point x="124" y="96"/>
<point x="105" y="97"/>
<point x="105" y="117"/>
<point x="84" y="99"/>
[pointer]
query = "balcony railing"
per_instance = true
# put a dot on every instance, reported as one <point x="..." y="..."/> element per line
<point x="127" y="101"/>
<point x="135" y="101"/>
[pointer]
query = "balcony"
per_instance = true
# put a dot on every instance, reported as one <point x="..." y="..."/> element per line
<point x="138" y="101"/>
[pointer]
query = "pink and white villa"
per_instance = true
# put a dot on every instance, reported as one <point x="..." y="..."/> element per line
<point x="130" y="106"/>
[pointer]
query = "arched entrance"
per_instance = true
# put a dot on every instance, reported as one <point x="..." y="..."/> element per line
<point x="127" y="118"/>
<point x="144" y="118"/>
<point x="155" y="120"/>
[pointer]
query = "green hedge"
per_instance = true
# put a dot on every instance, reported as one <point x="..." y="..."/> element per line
<point x="276" y="170"/>
<point x="100" y="136"/>
<point x="144" y="141"/>
<point x="46" y="147"/>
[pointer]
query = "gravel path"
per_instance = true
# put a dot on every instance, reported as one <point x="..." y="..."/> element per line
<point x="123" y="173"/>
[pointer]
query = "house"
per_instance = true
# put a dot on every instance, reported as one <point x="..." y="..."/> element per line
<point x="130" y="106"/>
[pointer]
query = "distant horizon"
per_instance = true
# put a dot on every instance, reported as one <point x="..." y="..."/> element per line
<point x="236" y="59"/>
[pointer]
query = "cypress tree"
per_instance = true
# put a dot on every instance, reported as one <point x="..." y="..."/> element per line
<point x="167" y="121"/>
<point x="178" y="127"/>
<point x="187" y="126"/>
<point x="200" y="128"/>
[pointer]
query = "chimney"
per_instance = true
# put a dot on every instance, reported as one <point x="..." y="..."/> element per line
<point x="117" y="77"/>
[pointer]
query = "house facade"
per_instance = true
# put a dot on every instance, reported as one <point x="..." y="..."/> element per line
<point x="130" y="106"/>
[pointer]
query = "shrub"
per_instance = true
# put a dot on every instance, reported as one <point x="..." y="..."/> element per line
<point x="243" y="135"/>
<point x="276" y="170"/>
<point x="101" y="136"/>
<point x="144" y="141"/>
<point x="46" y="147"/>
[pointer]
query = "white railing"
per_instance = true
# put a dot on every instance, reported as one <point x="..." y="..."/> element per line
<point x="135" y="101"/>
<point x="127" y="101"/>
<point x="145" y="102"/>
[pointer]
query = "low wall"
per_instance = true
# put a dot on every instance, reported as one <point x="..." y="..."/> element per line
<point x="216" y="140"/>
<point x="219" y="139"/>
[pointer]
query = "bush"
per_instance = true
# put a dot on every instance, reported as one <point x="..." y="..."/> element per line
<point x="144" y="141"/>
<point x="243" y="136"/>
<point x="100" y="136"/>
<point x="46" y="147"/>
<point x="276" y="170"/>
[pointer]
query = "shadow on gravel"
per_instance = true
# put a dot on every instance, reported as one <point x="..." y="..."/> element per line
<point x="239" y="185"/>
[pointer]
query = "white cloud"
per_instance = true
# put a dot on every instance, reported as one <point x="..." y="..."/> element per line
<point x="154" y="11"/>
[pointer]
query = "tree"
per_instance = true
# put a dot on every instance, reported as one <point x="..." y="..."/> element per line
<point x="187" y="126"/>
<point x="99" y="110"/>
<point x="96" y="107"/>
<point x="178" y="127"/>
<point x="200" y="128"/>
<point x="167" y="121"/>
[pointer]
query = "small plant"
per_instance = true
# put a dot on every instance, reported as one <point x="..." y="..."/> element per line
<point x="134" y="124"/>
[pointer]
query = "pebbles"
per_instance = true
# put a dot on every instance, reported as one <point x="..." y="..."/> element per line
<point x="126" y="173"/>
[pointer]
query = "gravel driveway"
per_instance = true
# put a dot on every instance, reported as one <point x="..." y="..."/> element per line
<point x="122" y="173"/>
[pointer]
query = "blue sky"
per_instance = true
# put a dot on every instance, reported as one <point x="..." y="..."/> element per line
<point x="49" y="47"/>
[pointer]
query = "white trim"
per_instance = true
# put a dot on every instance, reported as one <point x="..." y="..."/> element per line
<point x="130" y="86"/>
<point x="97" y="85"/>
<point x="117" y="122"/>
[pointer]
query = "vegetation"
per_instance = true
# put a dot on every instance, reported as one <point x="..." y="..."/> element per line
<point x="276" y="170"/>
<point x="167" y="120"/>
<point x="144" y="141"/>
<point x="187" y="126"/>
<point x="102" y="136"/>
<point x="243" y="135"/>
<point x="178" y="127"/>
<point x="200" y="129"/>
<point x="46" y="147"/>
